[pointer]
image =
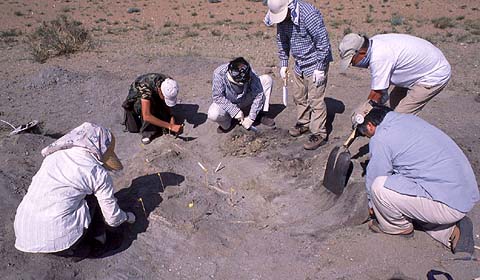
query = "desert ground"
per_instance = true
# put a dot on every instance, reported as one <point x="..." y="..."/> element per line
<point x="264" y="214"/>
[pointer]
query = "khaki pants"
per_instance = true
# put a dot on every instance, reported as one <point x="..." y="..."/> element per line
<point x="395" y="213"/>
<point x="412" y="101"/>
<point x="220" y="116"/>
<point x="310" y="104"/>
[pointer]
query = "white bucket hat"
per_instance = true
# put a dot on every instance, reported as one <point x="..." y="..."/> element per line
<point x="169" y="89"/>
<point x="277" y="10"/>
<point x="348" y="47"/>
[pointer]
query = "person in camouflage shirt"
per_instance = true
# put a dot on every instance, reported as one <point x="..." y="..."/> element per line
<point x="149" y="99"/>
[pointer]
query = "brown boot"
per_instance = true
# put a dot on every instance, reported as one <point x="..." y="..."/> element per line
<point x="314" y="141"/>
<point x="297" y="130"/>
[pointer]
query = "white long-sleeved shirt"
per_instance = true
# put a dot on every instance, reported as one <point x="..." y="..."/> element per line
<point x="53" y="214"/>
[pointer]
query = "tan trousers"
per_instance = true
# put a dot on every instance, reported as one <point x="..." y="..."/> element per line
<point x="412" y="101"/>
<point x="310" y="104"/>
<point x="395" y="212"/>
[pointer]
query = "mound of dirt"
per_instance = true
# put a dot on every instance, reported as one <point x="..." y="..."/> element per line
<point x="53" y="75"/>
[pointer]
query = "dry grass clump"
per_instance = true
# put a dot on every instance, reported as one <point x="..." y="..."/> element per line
<point x="443" y="22"/>
<point x="61" y="36"/>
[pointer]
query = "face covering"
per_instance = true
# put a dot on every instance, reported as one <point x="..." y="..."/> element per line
<point x="365" y="62"/>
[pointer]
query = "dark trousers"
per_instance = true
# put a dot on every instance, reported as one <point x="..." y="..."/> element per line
<point x="97" y="227"/>
<point x="149" y="130"/>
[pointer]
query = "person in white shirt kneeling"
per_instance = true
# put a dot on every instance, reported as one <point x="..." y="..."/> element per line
<point x="71" y="197"/>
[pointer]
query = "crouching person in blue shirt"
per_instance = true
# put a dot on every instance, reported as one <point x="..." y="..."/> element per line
<point x="418" y="175"/>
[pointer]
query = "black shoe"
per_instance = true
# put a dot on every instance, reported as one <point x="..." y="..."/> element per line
<point x="462" y="237"/>
<point x="314" y="141"/>
<point x="220" y="130"/>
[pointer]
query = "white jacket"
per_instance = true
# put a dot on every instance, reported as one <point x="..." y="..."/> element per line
<point x="54" y="214"/>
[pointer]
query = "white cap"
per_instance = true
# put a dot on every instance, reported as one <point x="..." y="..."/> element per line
<point x="277" y="10"/>
<point x="169" y="89"/>
<point x="348" y="47"/>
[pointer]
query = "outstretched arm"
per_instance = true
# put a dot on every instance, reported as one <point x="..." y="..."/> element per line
<point x="149" y="117"/>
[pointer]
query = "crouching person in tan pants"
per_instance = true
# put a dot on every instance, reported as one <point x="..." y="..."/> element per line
<point x="417" y="175"/>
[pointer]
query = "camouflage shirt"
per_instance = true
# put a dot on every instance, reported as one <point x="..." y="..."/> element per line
<point x="145" y="87"/>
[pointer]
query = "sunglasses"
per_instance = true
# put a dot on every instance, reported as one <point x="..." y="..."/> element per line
<point x="241" y="74"/>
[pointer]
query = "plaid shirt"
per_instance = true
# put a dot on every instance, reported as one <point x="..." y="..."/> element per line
<point x="307" y="41"/>
<point x="229" y="96"/>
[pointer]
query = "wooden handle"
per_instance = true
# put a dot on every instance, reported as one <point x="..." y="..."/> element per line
<point x="350" y="139"/>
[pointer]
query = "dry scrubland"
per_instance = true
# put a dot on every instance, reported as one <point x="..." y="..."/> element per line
<point x="264" y="215"/>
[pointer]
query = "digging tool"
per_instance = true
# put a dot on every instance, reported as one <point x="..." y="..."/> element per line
<point x="285" y="91"/>
<point x="254" y="129"/>
<point x="20" y="128"/>
<point x="339" y="166"/>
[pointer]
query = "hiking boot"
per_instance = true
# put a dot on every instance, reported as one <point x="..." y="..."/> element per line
<point x="314" y="141"/>
<point x="297" y="130"/>
<point x="266" y="121"/>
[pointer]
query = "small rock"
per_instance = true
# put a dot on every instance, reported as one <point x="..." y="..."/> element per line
<point x="133" y="10"/>
<point x="477" y="98"/>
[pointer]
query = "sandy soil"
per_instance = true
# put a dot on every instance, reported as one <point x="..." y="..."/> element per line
<point x="264" y="214"/>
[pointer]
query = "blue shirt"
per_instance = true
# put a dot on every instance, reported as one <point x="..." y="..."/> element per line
<point x="228" y="95"/>
<point x="421" y="160"/>
<point x="307" y="41"/>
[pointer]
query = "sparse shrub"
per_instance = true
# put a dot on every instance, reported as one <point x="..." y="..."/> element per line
<point x="194" y="14"/>
<point x="443" y="22"/>
<point x="396" y="20"/>
<point x="18" y="14"/>
<point x="369" y="18"/>
<point x="61" y="36"/>
<point x="258" y="34"/>
<point x="10" y="33"/>
<point x="473" y="26"/>
<point x="213" y="1"/>
<point x="336" y="23"/>
<point x="190" y="33"/>
<point x="347" y="30"/>
<point x="460" y="18"/>
<point x="216" y="32"/>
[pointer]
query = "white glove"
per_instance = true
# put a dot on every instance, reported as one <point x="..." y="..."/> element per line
<point x="131" y="218"/>
<point x="247" y="123"/>
<point x="318" y="77"/>
<point x="283" y="72"/>
<point x="239" y="116"/>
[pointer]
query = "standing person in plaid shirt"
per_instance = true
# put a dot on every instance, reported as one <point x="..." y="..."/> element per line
<point x="302" y="33"/>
